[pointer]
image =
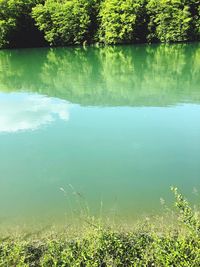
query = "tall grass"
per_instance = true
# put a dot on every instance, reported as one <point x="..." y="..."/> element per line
<point x="95" y="244"/>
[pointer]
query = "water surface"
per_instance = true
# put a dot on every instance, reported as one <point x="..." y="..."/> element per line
<point x="110" y="129"/>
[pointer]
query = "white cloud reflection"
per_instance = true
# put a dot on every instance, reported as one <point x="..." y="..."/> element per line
<point x="21" y="111"/>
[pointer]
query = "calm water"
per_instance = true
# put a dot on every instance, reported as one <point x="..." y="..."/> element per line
<point x="111" y="127"/>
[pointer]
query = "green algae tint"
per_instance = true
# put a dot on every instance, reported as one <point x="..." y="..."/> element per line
<point x="99" y="131"/>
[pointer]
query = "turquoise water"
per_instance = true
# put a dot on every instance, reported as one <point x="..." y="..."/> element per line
<point x="107" y="130"/>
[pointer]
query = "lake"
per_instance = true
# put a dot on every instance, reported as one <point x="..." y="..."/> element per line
<point x="104" y="130"/>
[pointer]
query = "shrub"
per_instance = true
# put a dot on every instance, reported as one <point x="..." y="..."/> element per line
<point x="64" y="22"/>
<point x="122" y="21"/>
<point x="187" y="215"/>
<point x="98" y="246"/>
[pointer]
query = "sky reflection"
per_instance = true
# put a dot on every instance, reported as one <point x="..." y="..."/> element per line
<point x="22" y="111"/>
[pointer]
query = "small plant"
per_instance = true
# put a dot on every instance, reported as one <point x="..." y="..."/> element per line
<point x="106" y="247"/>
<point x="187" y="215"/>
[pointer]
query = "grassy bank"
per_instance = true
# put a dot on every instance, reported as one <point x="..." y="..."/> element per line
<point x="169" y="243"/>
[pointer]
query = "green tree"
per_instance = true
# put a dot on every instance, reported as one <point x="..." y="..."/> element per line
<point x="120" y="19"/>
<point x="16" y="25"/>
<point x="194" y="31"/>
<point x="64" y="22"/>
<point x="172" y="20"/>
<point x="68" y="22"/>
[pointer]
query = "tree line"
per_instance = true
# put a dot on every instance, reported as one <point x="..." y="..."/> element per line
<point x="75" y="22"/>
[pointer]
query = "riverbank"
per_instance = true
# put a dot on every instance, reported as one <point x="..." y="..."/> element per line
<point x="165" y="243"/>
<point x="104" y="248"/>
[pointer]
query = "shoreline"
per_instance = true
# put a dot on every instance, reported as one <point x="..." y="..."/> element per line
<point x="164" y="244"/>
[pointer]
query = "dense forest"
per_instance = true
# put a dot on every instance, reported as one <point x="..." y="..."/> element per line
<point x="74" y="22"/>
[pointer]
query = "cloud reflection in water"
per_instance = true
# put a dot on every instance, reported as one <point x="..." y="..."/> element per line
<point x="21" y="111"/>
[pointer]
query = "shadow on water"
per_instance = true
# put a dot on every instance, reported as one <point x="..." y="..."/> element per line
<point x="143" y="75"/>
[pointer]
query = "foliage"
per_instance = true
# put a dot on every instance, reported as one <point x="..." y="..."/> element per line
<point x="68" y="22"/>
<point x="169" y="20"/>
<point x="16" y="25"/>
<point x="105" y="247"/>
<point x="122" y="21"/>
<point x="64" y="22"/>
<point x="173" y="20"/>
<point x="194" y="7"/>
<point x="187" y="215"/>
